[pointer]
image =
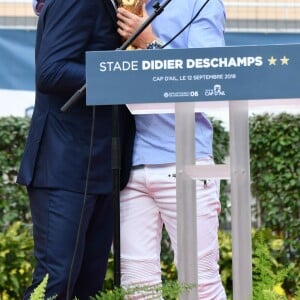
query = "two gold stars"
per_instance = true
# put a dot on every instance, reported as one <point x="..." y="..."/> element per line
<point x="272" y="61"/>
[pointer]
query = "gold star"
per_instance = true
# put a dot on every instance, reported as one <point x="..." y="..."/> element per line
<point x="272" y="61"/>
<point x="284" y="60"/>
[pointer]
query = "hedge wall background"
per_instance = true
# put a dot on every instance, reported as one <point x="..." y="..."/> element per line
<point x="275" y="175"/>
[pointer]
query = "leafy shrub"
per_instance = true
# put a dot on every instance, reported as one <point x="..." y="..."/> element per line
<point x="275" y="173"/>
<point x="225" y="262"/>
<point x="16" y="261"/>
<point x="13" y="197"/>
<point x="267" y="272"/>
<point x="39" y="291"/>
<point x="220" y="152"/>
<point x="169" y="290"/>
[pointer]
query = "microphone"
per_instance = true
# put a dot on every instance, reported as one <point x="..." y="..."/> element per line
<point x="78" y="95"/>
<point x="158" y="9"/>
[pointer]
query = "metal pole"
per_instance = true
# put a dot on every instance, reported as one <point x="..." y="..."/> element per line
<point x="185" y="196"/>
<point x="240" y="200"/>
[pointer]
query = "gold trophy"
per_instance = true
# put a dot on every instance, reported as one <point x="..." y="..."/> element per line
<point x="134" y="6"/>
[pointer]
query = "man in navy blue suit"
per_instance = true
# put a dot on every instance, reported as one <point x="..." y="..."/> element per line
<point x="72" y="216"/>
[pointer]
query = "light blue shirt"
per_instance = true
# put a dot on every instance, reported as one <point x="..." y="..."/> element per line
<point x="155" y="133"/>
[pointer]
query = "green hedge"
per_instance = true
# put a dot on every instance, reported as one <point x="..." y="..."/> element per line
<point x="275" y="173"/>
<point x="16" y="261"/>
<point x="13" y="198"/>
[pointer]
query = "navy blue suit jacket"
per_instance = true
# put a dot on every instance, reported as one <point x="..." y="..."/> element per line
<point x="58" y="144"/>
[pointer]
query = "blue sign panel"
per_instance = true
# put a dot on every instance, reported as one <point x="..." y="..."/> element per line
<point x="187" y="75"/>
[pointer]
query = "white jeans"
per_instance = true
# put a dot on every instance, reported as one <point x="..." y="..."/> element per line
<point x="148" y="202"/>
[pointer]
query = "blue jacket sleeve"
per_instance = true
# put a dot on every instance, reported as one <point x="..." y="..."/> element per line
<point x="63" y="35"/>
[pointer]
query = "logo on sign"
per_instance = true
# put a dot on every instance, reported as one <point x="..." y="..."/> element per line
<point x="215" y="91"/>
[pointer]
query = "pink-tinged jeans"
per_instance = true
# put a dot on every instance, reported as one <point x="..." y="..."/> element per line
<point x="148" y="202"/>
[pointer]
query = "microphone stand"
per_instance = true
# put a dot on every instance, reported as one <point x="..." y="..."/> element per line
<point x="116" y="157"/>
<point x="158" y="10"/>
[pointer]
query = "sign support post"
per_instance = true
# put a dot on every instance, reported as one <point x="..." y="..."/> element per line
<point x="185" y="199"/>
<point x="240" y="200"/>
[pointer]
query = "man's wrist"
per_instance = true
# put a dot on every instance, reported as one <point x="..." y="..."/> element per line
<point x="155" y="44"/>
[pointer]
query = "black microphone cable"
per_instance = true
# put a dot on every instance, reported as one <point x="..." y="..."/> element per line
<point x="68" y="296"/>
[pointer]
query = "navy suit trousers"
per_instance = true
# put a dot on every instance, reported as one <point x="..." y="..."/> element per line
<point x="57" y="217"/>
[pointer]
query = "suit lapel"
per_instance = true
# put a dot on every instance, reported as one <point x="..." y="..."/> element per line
<point x="111" y="9"/>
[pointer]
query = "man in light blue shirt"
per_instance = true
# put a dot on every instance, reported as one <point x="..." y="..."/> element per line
<point x="149" y="200"/>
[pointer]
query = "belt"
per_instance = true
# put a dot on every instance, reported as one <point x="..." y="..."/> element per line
<point x="137" y="167"/>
